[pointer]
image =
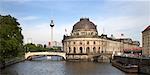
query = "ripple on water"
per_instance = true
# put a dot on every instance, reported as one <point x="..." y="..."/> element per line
<point x="47" y="67"/>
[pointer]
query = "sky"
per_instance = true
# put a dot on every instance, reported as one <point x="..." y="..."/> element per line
<point x="128" y="17"/>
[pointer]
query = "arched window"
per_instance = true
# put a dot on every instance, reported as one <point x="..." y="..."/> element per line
<point x="74" y="50"/>
<point x="87" y="42"/>
<point x="94" y="42"/>
<point x="91" y="33"/>
<point x="81" y="50"/>
<point x="94" y="50"/>
<point x="99" y="49"/>
<point x="80" y="43"/>
<point x="69" y="50"/>
<point x="87" y="50"/>
<point x="74" y="43"/>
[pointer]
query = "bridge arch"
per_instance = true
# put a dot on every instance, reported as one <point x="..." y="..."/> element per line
<point x="100" y="57"/>
<point x="30" y="54"/>
<point x="103" y="58"/>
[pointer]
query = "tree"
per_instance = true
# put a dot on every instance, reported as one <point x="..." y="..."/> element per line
<point x="30" y="47"/>
<point x="11" y="38"/>
<point x="40" y="45"/>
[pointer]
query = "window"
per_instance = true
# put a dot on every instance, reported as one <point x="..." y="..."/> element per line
<point x="94" y="50"/>
<point x="69" y="50"/>
<point x="91" y="33"/>
<point x="74" y="50"/>
<point x="80" y="43"/>
<point x="99" y="49"/>
<point x="94" y="42"/>
<point x="74" y="43"/>
<point x="88" y="42"/>
<point x="82" y="33"/>
<point x="81" y="50"/>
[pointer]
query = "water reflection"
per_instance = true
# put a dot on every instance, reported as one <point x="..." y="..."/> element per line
<point x="52" y="58"/>
<point x="48" y="67"/>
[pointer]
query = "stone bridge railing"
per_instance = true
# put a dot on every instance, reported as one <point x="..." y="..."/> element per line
<point x="30" y="54"/>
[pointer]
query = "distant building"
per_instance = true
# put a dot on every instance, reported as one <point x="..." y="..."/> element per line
<point x="49" y="44"/>
<point x="146" y="41"/>
<point x="55" y="44"/>
<point x="84" y="40"/>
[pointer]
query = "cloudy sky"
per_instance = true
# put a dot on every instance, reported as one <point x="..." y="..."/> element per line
<point x="128" y="17"/>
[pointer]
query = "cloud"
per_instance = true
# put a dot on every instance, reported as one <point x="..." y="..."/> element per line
<point x="130" y="26"/>
<point x="38" y="33"/>
<point x="30" y="18"/>
<point x="115" y="17"/>
<point x="41" y="33"/>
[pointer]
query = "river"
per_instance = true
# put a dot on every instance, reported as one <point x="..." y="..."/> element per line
<point x="44" y="66"/>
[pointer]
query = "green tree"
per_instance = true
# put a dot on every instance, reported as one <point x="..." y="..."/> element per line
<point x="40" y="45"/>
<point x="11" y="38"/>
<point x="30" y="47"/>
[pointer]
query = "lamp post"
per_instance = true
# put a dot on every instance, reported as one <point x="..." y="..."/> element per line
<point x="52" y="25"/>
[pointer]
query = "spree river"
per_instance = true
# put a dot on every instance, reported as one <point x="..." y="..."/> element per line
<point x="43" y="66"/>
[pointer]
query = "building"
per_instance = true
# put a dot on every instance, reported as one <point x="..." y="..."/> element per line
<point x="84" y="40"/>
<point x="146" y="41"/>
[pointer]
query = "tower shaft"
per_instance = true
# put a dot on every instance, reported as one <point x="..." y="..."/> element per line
<point x="51" y="25"/>
<point x="51" y="36"/>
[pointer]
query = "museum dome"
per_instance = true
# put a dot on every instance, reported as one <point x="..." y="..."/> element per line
<point x="84" y="24"/>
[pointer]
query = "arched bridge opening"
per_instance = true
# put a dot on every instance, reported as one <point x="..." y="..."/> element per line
<point x="101" y="58"/>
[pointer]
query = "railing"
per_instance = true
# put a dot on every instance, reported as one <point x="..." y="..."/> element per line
<point x="63" y="54"/>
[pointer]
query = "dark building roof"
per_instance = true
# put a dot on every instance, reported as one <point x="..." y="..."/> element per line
<point x="84" y="24"/>
<point x="148" y="28"/>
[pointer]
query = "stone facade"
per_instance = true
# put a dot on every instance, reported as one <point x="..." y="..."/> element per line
<point x="84" y="40"/>
<point x="146" y="41"/>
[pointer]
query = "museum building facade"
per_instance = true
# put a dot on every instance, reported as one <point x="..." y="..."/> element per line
<point x="84" y="40"/>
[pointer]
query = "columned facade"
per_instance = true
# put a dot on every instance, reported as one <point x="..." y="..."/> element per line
<point x="84" y="40"/>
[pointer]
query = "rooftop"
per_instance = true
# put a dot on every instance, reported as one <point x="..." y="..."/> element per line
<point x="84" y="24"/>
<point x="148" y="28"/>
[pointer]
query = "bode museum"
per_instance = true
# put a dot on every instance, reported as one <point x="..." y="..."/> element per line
<point x="85" y="41"/>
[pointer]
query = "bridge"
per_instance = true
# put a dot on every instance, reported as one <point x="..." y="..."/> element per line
<point x="92" y="56"/>
<point x="30" y="54"/>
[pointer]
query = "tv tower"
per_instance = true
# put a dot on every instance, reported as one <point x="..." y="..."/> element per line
<point x="52" y="25"/>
